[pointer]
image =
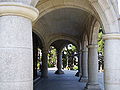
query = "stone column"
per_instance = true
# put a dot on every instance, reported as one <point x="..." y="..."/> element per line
<point x="92" y="68"/>
<point x="85" y="65"/>
<point x="35" y="56"/>
<point x="112" y="61"/>
<point x="44" y="70"/>
<point x="78" y="74"/>
<point x="16" y="51"/>
<point x="59" y="62"/>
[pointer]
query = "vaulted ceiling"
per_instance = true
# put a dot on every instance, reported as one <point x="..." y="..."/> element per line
<point x="66" y="21"/>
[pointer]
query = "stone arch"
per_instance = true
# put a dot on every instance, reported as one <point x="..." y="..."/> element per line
<point x="84" y="41"/>
<point x="72" y="44"/>
<point x="44" y="44"/>
<point x="63" y="37"/>
<point x="107" y="14"/>
<point x="93" y="37"/>
<point x="49" y="6"/>
<point x="101" y="9"/>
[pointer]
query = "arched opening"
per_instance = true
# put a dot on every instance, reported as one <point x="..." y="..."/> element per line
<point x="70" y="57"/>
<point x="74" y="20"/>
<point x="71" y="20"/>
<point x="100" y="51"/>
<point x="52" y="57"/>
<point x="65" y="53"/>
<point x="37" y="56"/>
<point x="71" y="24"/>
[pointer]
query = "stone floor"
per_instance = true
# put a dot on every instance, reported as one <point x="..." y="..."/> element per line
<point x="67" y="81"/>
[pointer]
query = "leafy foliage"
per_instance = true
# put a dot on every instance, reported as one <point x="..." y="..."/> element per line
<point x="100" y="43"/>
<point x="69" y="60"/>
<point x="52" y="57"/>
<point x="100" y="50"/>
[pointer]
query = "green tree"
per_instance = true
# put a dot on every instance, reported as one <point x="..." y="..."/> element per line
<point x="100" y="43"/>
<point x="100" y="49"/>
<point x="69" y="53"/>
<point x="52" y="57"/>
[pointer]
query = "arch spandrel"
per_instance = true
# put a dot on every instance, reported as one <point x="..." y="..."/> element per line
<point x="108" y="15"/>
<point x="84" y="42"/>
<point x="93" y="36"/>
<point x="44" y="42"/>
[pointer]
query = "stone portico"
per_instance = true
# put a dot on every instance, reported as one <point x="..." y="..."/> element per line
<point x="58" y="23"/>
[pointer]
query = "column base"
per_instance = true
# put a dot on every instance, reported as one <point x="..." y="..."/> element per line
<point x="92" y="87"/>
<point x="59" y="72"/>
<point x="84" y="79"/>
<point x="78" y="74"/>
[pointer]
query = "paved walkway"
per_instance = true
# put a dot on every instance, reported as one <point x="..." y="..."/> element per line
<point x="67" y="81"/>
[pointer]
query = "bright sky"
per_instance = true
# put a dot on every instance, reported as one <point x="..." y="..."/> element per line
<point x="119" y="5"/>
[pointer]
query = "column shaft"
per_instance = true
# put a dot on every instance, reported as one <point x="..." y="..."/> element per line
<point x="78" y="74"/>
<point x="35" y="56"/>
<point x="44" y="71"/>
<point x="112" y="62"/>
<point x="92" y="68"/>
<point x="16" y="51"/>
<point x="59" y="63"/>
<point x="85" y="66"/>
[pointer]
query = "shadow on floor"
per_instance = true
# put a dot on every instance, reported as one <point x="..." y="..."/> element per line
<point x="66" y="81"/>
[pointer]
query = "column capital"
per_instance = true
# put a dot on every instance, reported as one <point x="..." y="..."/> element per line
<point x="111" y="36"/>
<point x="92" y="46"/>
<point x="18" y="9"/>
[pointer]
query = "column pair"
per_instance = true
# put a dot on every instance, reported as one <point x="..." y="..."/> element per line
<point x="111" y="64"/>
<point x="83" y="65"/>
<point x="16" y="51"/>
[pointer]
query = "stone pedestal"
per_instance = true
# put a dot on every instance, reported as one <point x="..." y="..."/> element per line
<point x="16" y="51"/>
<point x="92" y="68"/>
<point x="44" y="71"/>
<point x="59" y="63"/>
<point x="112" y="61"/>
